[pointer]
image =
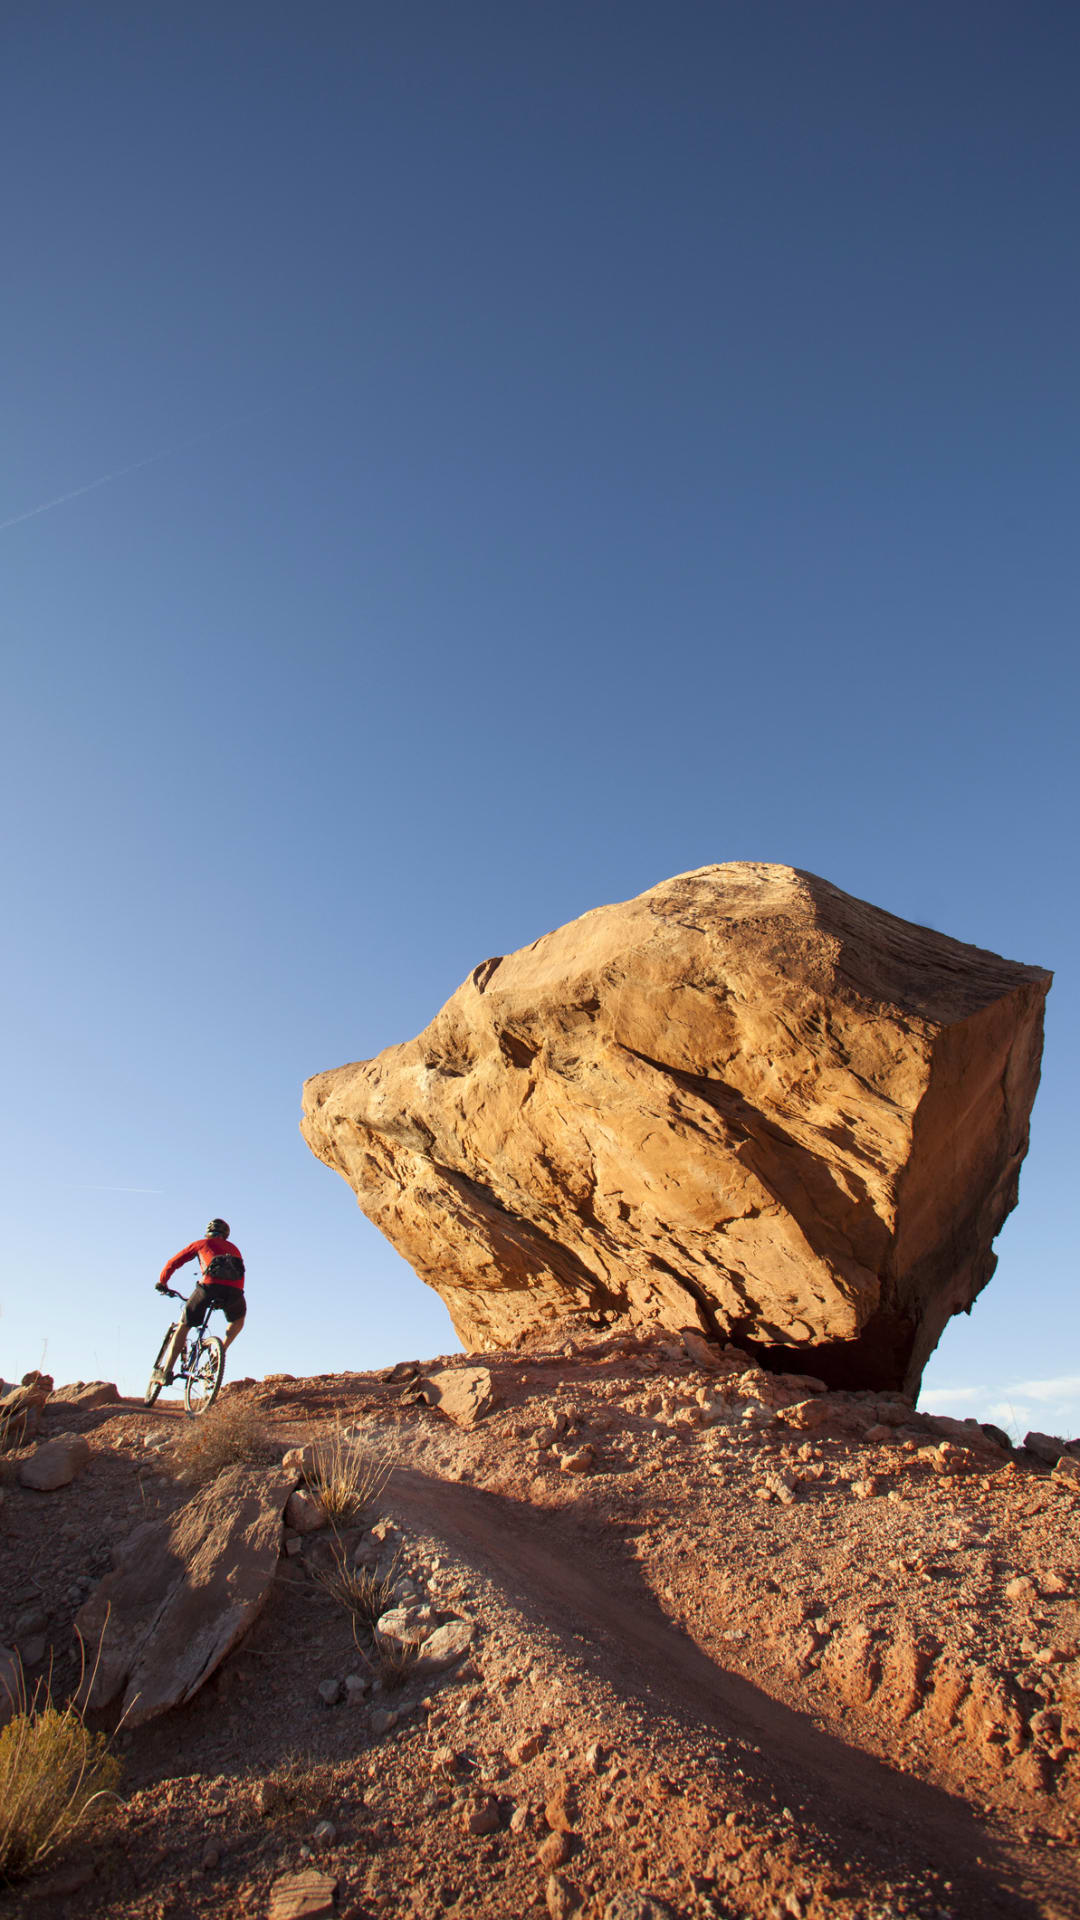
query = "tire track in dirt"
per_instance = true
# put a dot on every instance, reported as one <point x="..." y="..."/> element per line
<point x="568" y="1587"/>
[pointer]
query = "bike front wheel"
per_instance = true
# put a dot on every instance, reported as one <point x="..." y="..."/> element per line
<point x="154" y="1386"/>
<point x="204" y="1375"/>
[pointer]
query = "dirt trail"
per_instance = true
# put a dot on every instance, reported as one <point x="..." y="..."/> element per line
<point x="554" y="1576"/>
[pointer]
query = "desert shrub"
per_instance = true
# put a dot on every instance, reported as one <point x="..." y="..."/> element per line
<point x="364" y="1593"/>
<point x="231" y="1434"/>
<point x="346" y="1478"/>
<point x="297" y="1785"/>
<point x="13" y="1425"/>
<point x="394" y="1661"/>
<point x="54" y="1777"/>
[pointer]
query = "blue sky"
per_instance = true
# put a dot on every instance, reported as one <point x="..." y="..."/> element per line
<point x="596" y="441"/>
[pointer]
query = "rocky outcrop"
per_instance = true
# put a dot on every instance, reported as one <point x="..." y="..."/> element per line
<point x="182" y="1593"/>
<point x="744" y="1101"/>
<point x="84" y="1396"/>
<point x="20" y="1408"/>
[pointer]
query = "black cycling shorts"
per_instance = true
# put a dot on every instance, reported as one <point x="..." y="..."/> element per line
<point x="203" y="1299"/>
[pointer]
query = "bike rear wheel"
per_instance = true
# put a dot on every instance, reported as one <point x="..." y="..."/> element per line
<point x="204" y="1375"/>
<point x="154" y="1386"/>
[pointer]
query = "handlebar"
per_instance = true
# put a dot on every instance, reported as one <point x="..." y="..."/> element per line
<point x="172" y="1293"/>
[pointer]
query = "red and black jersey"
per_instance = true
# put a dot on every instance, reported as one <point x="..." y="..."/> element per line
<point x="205" y="1249"/>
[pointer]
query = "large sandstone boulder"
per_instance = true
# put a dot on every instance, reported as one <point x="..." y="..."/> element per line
<point x="743" y="1101"/>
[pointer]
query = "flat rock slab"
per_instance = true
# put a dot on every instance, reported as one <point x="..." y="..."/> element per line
<point x="302" y="1896"/>
<point x="464" y="1394"/>
<point x="744" y="1102"/>
<point x="183" y="1592"/>
<point x="85" y="1395"/>
<point x="55" y="1464"/>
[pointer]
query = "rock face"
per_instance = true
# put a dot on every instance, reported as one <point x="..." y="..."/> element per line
<point x="744" y="1102"/>
<point x="183" y="1592"/>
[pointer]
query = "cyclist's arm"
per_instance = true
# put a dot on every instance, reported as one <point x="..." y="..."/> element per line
<point x="178" y="1260"/>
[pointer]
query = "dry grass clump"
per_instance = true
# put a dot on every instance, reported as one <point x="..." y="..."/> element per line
<point x="365" y="1594"/>
<point x="298" y="1785"/>
<point x="12" y="1429"/>
<point x="231" y="1434"/>
<point x="395" y="1662"/>
<point x="346" y="1478"/>
<point x="54" y="1777"/>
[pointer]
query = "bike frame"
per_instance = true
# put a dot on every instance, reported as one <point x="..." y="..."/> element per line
<point x="186" y="1364"/>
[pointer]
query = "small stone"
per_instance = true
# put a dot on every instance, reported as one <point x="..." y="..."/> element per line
<point x="519" y="1819"/>
<point x="446" y="1644"/>
<point x="582" y="1460"/>
<point x="483" y="1816"/>
<point x="405" y="1626"/>
<point x="594" y="1757"/>
<point x="303" y="1513"/>
<point x="382" y="1720"/>
<point x="329" y="1692"/>
<point x="307" y="1895"/>
<point x="210" y="1858"/>
<point x="324" y="1834"/>
<point x="31" y="1621"/>
<point x="563" y="1898"/>
<point x="526" y="1749"/>
<point x="357" y="1687"/>
<point x="1020" y="1588"/>
<point x="554" y="1851"/>
<point x="1045" y="1446"/>
<point x="783" y="1485"/>
<point x="269" y="1798"/>
<point x="561" y="1809"/>
<point x="32" y="1651"/>
<point x="1067" y="1472"/>
<point x="637" y="1906"/>
<point x="866" y="1489"/>
<point x="292" y="1544"/>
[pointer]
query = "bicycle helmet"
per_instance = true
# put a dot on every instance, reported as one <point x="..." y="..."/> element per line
<point x="218" y="1230"/>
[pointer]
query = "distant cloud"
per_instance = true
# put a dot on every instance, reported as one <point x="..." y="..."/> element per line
<point x="939" y="1399"/>
<point x="1065" y="1387"/>
<point x="1018" y="1405"/>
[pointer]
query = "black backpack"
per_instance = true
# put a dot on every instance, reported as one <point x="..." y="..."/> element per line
<point x="224" y="1266"/>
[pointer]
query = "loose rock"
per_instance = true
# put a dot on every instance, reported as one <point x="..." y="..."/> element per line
<point x="302" y="1896"/>
<point x="56" y="1463"/>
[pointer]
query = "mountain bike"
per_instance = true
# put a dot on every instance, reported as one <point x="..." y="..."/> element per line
<point x="200" y="1364"/>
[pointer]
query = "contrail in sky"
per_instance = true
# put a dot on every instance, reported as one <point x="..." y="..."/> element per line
<point x="103" y="479"/>
<point x="118" y="1189"/>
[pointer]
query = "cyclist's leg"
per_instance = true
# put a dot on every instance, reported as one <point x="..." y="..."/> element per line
<point x="236" y="1326"/>
<point x="191" y="1317"/>
<point x="235" y="1309"/>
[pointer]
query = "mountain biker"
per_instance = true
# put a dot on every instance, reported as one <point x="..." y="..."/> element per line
<point x="221" y="1285"/>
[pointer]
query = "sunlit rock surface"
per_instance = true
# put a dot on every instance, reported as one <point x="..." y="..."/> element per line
<point x="743" y="1101"/>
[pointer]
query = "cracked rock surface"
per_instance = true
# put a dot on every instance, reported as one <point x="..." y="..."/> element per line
<point x="744" y="1102"/>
